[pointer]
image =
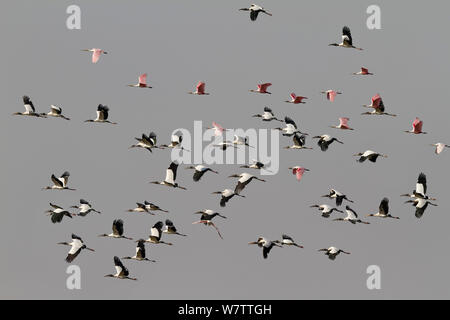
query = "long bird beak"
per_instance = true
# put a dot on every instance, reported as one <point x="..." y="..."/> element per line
<point x="253" y="242"/>
<point x="90" y="249"/>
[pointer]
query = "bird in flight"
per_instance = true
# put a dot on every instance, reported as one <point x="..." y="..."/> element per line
<point x="254" y="11"/>
<point x="363" y="72"/>
<point x="76" y="245"/>
<point x="296" y="99"/>
<point x="29" y="109"/>
<point x="347" y="40"/>
<point x="416" y="127"/>
<point x="171" y="176"/>
<point x="58" y="213"/>
<point x="266" y="245"/>
<point x="383" y="210"/>
<point x="262" y="88"/>
<point x="370" y="155"/>
<point x="96" y="53"/>
<point x="333" y="252"/>
<point x="343" y="124"/>
<point x="298" y="172"/>
<point x="439" y="147"/>
<point x="199" y="89"/>
<point x="55" y="112"/>
<point x="378" y="107"/>
<point x="121" y="271"/>
<point x="60" y="183"/>
<point x="331" y="94"/>
<point x="102" y="115"/>
<point x="142" y="82"/>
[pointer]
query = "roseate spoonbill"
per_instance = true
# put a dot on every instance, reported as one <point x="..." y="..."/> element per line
<point x="102" y="115"/>
<point x="296" y="99"/>
<point x="439" y="147"/>
<point x="383" y="210"/>
<point x="421" y="188"/>
<point x="363" y="72"/>
<point x="200" y="170"/>
<point x="351" y="217"/>
<point x="333" y="252"/>
<point x="298" y="172"/>
<point x="227" y="194"/>
<point x="325" y="209"/>
<point x="288" y="241"/>
<point x="96" y="53"/>
<point x="121" y="271"/>
<point x="218" y="129"/>
<point x="29" y="109"/>
<point x="140" y="252"/>
<point x="331" y="94"/>
<point x="417" y="127"/>
<point x="142" y="82"/>
<point x="117" y="231"/>
<point x="378" y="107"/>
<point x="262" y="88"/>
<point x="347" y="41"/>
<point x="267" y="245"/>
<point x="325" y="140"/>
<point x="370" y="155"/>
<point x="244" y="180"/>
<point x="343" y="124"/>
<point x="58" y="213"/>
<point x="299" y="142"/>
<point x="56" y="112"/>
<point x="146" y="142"/>
<point x="156" y="233"/>
<point x="267" y="115"/>
<point x="171" y="229"/>
<point x="334" y="194"/>
<point x="290" y="129"/>
<point x="254" y="11"/>
<point x="76" y="245"/>
<point x="60" y="183"/>
<point x="207" y="216"/>
<point x="200" y="89"/>
<point x="421" y="205"/>
<point x="85" y="208"/>
<point x="171" y="176"/>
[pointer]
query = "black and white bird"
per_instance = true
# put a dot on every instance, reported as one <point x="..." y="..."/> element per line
<point x="156" y="233"/>
<point x="140" y="207"/>
<point x="299" y="142"/>
<point x="146" y="142"/>
<point x="266" y="245"/>
<point x="171" y="229"/>
<point x="58" y="213"/>
<point x="325" y="140"/>
<point x="334" y="194"/>
<point x="29" y="109"/>
<point x="200" y="170"/>
<point x="347" y="41"/>
<point x="171" y="176"/>
<point x="421" y="205"/>
<point x="254" y="11"/>
<point x="102" y="115"/>
<point x="153" y="207"/>
<point x="288" y="241"/>
<point x="60" y="183"/>
<point x="421" y="189"/>
<point x="85" y="208"/>
<point x="76" y="245"/>
<point x="244" y="180"/>
<point x="224" y="145"/>
<point x="267" y="115"/>
<point x="140" y="252"/>
<point x="55" y="112"/>
<point x="227" y="194"/>
<point x="206" y="216"/>
<point x="370" y="155"/>
<point x="290" y="129"/>
<point x="333" y="252"/>
<point x="241" y="141"/>
<point x="326" y="209"/>
<point x="121" y="271"/>
<point x="351" y="217"/>
<point x="175" y="142"/>
<point x="383" y="210"/>
<point x="255" y="165"/>
<point x="117" y="228"/>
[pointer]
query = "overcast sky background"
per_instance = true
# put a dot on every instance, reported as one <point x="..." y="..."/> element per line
<point x="179" y="43"/>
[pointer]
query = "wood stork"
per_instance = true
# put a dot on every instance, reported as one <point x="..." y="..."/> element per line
<point x="266" y="245"/>
<point x="254" y="11"/>
<point x="175" y="142"/>
<point x="200" y="89"/>
<point x="58" y="213"/>
<point x="363" y="72"/>
<point x="255" y="165"/>
<point x="244" y="180"/>
<point x="102" y="115"/>
<point x="331" y="94"/>
<point x="290" y="129"/>
<point x="383" y="210"/>
<point x="333" y="252"/>
<point x="421" y="188"/>
<point x="267" y="115"/>
<point x="227" y="194"/>
<point x="206" y="216"/>
<point x="200" y="170"/>
<point x="121" y="271"/>
<point x="142" y="82"/>
<point x="343" y="124"/>
<point x="439" y="147"/>
<point x="140" y="252"/>
<point x="146" y="142"/>
<point x="296" y="99"/>
<point x="351" y="217"/>
<point x="171" y="229"/>
<point x="85" y="208"/>
<point x="288" y="241"/>
<point x="140" y="207"/>
<point x="262" y="88"/>
<point x="76" y="245"/>
<point x="55" y="112"/>
<point x="378" y="107"/>
<point x="153" y="207"/>
<point x="325" y="140"/>
<point x="241" y="141"/>
<point x="340" y="197"/>
<point x="117" y="229"/>
<point x="225" y="145"/>
<point x="299" y="142"/>
<point x="326" y="209"/>
<point x="29" y="109"/>
<point x="60" y="183"/>
<point x="298" y="172"/>
<point x="96" y="53"/>
<point x="421" y="205"/>
<point x="417" y="127"/>
<point x="156" y="233"/>
<point x="171" y="176"/>
<point x="370" y="155"/>
<point x="347" y="41"/>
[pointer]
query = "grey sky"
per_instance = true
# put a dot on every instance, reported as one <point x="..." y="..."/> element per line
<point x="179" y="43"/>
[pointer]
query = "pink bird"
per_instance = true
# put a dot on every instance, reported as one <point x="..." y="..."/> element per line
<point x="296" y="99"/>
<point x="331" y="94"/>
<point x="363" y="72"/>
<point x="298" y="172"/>
<point x="96" y="53"/>
<point x="142" y="82"/>
<point x="218" y="129"/>
<point x="440" y="147"/>
<point x="200" y="89"/>
<point x="417" y="127"/>
<point x="343" y="124"/>
<point x="262" y="88"/>
<point x="378" y="107"/>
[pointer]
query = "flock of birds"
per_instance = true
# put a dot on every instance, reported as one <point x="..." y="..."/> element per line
<point x="418" y="198"/>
